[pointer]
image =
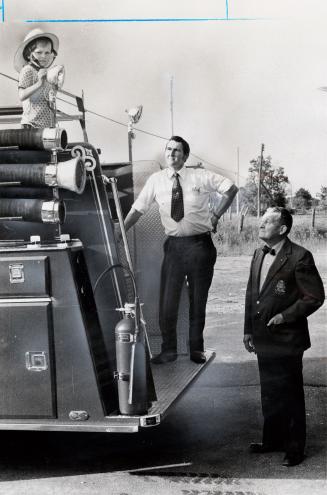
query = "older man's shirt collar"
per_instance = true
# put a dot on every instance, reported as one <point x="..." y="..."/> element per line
<point x="273" y="250"/>
<point x="277" y="247"/>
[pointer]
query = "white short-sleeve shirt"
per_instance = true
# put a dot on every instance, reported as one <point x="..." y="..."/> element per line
<point x="197" y="184"/>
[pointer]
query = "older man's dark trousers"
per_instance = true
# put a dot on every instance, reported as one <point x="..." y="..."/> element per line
<point x="193" y="257"/>
<point x="283" y="405"/>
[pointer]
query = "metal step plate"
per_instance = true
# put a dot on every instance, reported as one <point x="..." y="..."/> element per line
<point x="172" y="380"/>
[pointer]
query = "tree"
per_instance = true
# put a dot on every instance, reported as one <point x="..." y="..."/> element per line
<point x="273" y="185"/>
<point x="323" y="197"/>
<point x="302" y="199"/>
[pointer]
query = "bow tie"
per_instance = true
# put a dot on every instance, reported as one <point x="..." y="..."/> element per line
<point x="266" y="249"/>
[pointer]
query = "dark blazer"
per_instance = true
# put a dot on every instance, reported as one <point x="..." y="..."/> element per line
<point x="293" y="287"/>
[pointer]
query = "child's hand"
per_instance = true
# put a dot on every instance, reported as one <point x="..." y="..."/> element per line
<point x="42" y="75"/>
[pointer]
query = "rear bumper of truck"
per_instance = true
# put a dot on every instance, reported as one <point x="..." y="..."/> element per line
<point x="172" y="380"/>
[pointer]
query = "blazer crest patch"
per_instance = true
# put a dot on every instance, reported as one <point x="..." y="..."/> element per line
<point x="280" y="288"/>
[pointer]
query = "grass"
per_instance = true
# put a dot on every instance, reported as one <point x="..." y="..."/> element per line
<point x="229" y="242"/>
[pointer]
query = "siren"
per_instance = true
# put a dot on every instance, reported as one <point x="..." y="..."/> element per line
<point x="49" y="138"/>
<point x="33" y="210"/>
<point x="69" y="175"/>
<point x="56" y="76"/>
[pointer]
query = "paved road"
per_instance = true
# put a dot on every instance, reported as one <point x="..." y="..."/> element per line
<point x="202" y="446"/>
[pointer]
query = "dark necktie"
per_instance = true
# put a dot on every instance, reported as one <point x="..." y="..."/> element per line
<point x="266" y="249"/>
<point x="177" y="203"/>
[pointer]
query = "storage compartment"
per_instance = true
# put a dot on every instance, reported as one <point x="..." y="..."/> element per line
<point x="26" y="356"/>
<point x="22" y="276"/>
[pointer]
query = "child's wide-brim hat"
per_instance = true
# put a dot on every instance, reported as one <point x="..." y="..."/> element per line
<point x="19" y="60"/>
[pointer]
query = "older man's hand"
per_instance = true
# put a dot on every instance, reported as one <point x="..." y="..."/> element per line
<point x="248" y="342"/>
<point x="276" y="320"/>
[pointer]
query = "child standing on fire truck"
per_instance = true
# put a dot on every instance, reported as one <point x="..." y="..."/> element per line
<point x="32" y="59"/>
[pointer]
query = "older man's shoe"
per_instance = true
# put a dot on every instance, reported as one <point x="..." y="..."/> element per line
<point x="164" y="357"/>
<point x="293" y="459"/>
<point x="198" y="357"/>
<point x="263" y="448"/>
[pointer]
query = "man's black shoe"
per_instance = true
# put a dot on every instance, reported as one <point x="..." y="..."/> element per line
<point x="164" y="357"/>
<point x="261" y="448"/>
<point x="198" y="357"/>
<point x="293" y="459"/>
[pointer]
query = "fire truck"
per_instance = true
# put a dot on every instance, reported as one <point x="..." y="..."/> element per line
<point x="79" y="308"/>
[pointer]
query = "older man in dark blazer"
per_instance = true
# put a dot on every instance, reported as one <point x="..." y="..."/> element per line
<point x="284" y="288"/>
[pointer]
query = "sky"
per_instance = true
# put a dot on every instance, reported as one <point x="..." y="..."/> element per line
<point x="243" y="73"/>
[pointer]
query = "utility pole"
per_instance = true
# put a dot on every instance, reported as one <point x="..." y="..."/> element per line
<point x="172" y="104"/>
<point x="259" y="182"/>
<point x="238" y="182"/>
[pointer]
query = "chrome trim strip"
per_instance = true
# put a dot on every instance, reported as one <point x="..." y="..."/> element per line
<point x="25" y="300"/>
<point x="23" y="246"/>
<point x="70" y="427"/>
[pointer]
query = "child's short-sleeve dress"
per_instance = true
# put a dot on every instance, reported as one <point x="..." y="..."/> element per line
<point x="36" y="108"/>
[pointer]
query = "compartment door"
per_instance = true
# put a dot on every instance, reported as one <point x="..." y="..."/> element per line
<point x="27" y="388"/>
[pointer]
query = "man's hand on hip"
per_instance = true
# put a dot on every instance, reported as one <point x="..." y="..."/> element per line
<point x="214" y="222"/>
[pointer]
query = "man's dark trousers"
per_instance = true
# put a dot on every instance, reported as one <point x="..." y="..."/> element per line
<point x="283" y="404"/>
<point x="193" y="257"/>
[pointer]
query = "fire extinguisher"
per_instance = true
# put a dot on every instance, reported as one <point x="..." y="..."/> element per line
<point x="131" y="355"/>
<point x="131" y="363"/>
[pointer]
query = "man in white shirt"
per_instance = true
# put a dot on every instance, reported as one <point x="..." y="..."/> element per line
<point x="182" y="195"/>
